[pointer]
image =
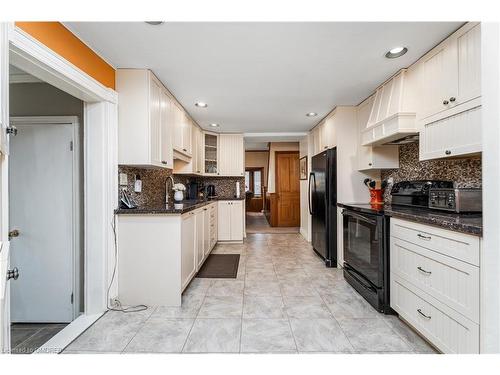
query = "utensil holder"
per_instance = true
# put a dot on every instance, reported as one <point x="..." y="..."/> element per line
<point x="376" y="196"/>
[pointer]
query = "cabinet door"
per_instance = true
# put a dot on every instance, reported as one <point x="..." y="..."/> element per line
<point x="439" y="79"/>
<point x="186" y="134"/>
<point x="469" y="65"/>
<point x="452" y="136"/>
<point x="199" y="235"/>
<point x="328" y="137"/>
<point x="206" y="232"/>
<point x="166" y="131"/>
<point x="155" y="121"/>
<point x="231" y="155"/>
<point x="224" y="220"/>
<point x="210" y="154"/>
<point x="236" y="220"/>
<point x="177" y="127"/>
<point x="188" y="256"/>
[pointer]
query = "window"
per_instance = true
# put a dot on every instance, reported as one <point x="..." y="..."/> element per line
<point x="253" y="181"/>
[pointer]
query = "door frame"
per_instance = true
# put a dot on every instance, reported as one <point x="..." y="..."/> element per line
<point x="100" y="170"/>
<point x="76" y="234"/>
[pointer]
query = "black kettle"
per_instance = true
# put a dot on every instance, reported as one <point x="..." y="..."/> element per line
<point x="211" y="191"/>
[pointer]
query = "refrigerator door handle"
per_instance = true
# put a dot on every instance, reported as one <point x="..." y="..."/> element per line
<point x="311" y="176"/>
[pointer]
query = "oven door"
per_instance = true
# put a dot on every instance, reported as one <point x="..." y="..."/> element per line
<point x="363" y="248"/>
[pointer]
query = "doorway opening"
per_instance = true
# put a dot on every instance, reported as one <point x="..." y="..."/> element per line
<point x="46" y="210"/>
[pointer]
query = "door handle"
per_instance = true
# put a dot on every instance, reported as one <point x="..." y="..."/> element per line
<point x="311" y="175"/>
<point x="13" y="273"/>
<point x="422" y="314"/>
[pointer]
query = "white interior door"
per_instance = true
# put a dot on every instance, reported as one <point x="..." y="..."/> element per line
<point x="42" y="209"/>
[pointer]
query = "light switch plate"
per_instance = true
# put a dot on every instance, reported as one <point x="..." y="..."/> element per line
<point x="123" y="179"/>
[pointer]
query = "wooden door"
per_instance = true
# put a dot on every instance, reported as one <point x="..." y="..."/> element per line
<point x="287" y="188"/>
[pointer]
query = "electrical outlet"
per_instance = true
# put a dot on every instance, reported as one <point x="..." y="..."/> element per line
<point x="123" y="179"/>
<point x="113" y="302"/>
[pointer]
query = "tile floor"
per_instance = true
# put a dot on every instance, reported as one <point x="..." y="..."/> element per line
<point x="25" y="338"/>
<point x="284" y="300"/>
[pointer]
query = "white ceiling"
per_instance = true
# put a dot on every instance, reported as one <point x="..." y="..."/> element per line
<point x="263" y="77"/>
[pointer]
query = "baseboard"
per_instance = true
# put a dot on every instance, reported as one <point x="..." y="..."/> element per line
<point x="303" y="232"/>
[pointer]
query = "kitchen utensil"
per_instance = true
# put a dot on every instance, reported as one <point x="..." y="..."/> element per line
<point x="372" y="184"/>
<point x="366" y="181"/>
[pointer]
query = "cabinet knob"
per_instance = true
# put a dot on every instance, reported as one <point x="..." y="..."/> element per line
<point x="447" y="152"/>
<point x="370" y="164"/>
<point x="452" y="99"/>
<point x="446" y="102"/>
<point x="325" y="147"/>
<point x="184" y="149"/>
<point x="164" y="162"/>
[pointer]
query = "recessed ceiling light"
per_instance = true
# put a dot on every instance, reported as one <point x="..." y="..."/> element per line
<point x="396" y="52"/>
<point x="154" y="23"/>
<point x="201" y="104"/>
<point x="214" y="125"/>
<point x="311" y="114"/>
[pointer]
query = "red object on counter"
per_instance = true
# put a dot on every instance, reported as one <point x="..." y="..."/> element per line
<point x="376" y="196"/>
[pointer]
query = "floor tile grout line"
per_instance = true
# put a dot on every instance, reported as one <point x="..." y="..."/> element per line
<point x="194" y="320"/>
<point x="22" y="342"/>
<point x="140" y="327"/>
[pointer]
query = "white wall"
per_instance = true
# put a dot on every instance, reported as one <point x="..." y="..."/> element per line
<point x="305" y="218"/>
<point x="277" y="146"/>
<point x="490" y="254"/>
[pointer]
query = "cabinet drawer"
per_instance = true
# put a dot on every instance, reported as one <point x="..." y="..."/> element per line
<point x="453" y="282"/>
<point x="449" y="331"/>
<point x="453" y="244"/>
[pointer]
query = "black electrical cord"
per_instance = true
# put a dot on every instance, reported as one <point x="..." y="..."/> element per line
<point x="119" y="307"/>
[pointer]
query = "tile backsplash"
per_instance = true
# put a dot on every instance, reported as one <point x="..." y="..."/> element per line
<point x="465" y="172"/>
<point x="153" y="184"/>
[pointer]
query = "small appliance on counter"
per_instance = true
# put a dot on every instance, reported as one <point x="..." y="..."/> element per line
<point x="461" y="200"/>
<point x="192" y="191"/>
<point x="211" y="191"/>
<point x="416" y="193"/>
<point x="126" y="200"/>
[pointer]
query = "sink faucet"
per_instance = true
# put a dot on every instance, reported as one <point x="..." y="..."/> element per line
<point x="167" y="191"/>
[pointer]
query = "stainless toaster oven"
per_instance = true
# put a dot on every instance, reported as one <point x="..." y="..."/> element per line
<point x="456" y="200"/>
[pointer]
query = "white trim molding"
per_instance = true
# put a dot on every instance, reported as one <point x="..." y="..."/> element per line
<point x="36" y="59"/>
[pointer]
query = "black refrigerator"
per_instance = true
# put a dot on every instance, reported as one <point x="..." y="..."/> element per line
<point x="323" y="205"/>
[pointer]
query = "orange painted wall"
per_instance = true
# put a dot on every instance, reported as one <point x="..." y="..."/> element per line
<point x="62" y="41"/>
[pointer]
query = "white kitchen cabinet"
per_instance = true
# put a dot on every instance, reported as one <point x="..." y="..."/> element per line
<point x="317" y="138"/>
<point x="188" y="248"/>
<point x="450" y="119"/>
<point x="199" y="237"/>
<point x="206" y="231"/>
<point x="231" y="159"/>
<point x="194" y="164"/>
<point x="373" y="157"/>
<point x="144" y="127"/>
<point x="435" y="284"/>
<point x="451" y="74"/>
<point x="230" y="220"/>
<point x="328" y="134"/>
<point x="210" y="153"/>
<point x="182" y="133"/>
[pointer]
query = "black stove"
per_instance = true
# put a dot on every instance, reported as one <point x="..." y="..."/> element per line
<point x="366" y="240"/>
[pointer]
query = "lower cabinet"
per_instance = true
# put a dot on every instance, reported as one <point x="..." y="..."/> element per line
<point x="159" y="254"/>
<point x="230" y="220"/>
<point x="188" y="246"/>
<point x="435" y="284"/>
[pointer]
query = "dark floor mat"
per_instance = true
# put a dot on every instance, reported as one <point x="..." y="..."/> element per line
<point x="220" y="266"/>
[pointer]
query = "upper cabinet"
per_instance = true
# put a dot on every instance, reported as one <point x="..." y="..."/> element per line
<point x="324" y="135"/>
<point x="393" y="112"/>
<point x="210" y="153"/>
<point x="373" y="157"/>
<point x="450" y="113"/>
<point x="145" y="128"/>
<point x="182" y="132"/>
<point x="451" y="74"/>
<point x="231" y="161"/>
<point x="193" y="164"/>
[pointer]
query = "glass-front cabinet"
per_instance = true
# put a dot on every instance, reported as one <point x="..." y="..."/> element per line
<point x="211" y="149"/>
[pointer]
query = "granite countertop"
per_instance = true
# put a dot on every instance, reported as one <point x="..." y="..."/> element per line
<point x="464" y="223"/>
<point x="187" y="205"/>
